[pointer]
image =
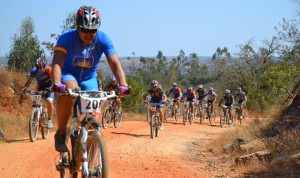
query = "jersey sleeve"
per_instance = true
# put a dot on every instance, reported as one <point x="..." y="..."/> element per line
<point x="64" y="42"/>
<point x="33" y="72"/>
<point x="107" y="44"/>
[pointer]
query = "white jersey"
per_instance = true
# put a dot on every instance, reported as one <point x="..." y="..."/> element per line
<point x="211" y="96"/>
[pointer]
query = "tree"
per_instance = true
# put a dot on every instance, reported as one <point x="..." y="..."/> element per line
<point x="25" y="48"/>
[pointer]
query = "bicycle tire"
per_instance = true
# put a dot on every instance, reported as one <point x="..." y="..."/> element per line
<point x="45" y="130"/>
<point x="168" y="113"/>
<point x="95" y="144"/>
<point x="185" y="117"/>
<point x="175" y="111"/>
<point x="230" y="120"/>
<point x="202" y="116"/>
<point x="152" y="126"/>
<point x="118" y="119"/>
<point x="33" y="129"/>
<point x="222" y="120"/>
<point x="212" y="118"/>
<point x="157" y="123"/>
<point x="106" y="118"/>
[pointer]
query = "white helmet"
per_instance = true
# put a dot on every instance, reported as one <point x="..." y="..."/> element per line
<point x="200" y="86"/>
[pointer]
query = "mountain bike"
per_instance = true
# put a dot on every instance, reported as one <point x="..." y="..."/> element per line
<point x="111" y="113"/>
<point x="154" y="119"/>
<point x="199" y="111"/>
<point x="211" y="116"/>
<point x="224" y="117"/>
<point x="84" y="137"/>
<point x="171" y="110"/>
<point x="188" y="115"/>
<point x="39" y="115"/>
<point x="237" y="114"/>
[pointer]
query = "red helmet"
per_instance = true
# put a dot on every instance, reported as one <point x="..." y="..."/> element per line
<point x="88" y="17"/>
<point x="40" y="63"/>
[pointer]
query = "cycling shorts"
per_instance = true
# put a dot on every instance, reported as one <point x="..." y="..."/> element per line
<point x="159" y="106"/>
<point x="210" y="101"/>
<point x="241" y="102"/>
<point x="229" y="105"/>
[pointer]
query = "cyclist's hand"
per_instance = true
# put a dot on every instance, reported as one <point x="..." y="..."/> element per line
<point x="124" y="90"/>
<point x="60" y="88"/>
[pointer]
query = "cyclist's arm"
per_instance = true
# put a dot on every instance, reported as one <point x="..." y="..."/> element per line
<point x="117" y="69"/>
<point x="28" y="82"/>
<point x="58" y="62"/>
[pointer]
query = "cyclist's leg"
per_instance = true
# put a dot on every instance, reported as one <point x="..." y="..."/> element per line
<point x="118" y="103"/>
<point x="160" y="112"/>
<point x="50" y="108"/>
<point x="63" y="111"/>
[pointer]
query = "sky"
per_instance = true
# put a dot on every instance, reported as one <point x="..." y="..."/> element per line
<point x="145" y="27"/>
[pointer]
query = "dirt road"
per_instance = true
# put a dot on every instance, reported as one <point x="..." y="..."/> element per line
<point x="179" y="151"/>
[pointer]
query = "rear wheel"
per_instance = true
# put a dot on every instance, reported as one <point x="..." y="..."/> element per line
<point x="106" y="118"/>
<point x="33" y="125"/>
<point x="185" y="116"/>
<point x="45" y="130"/>
<point x="118" y="118"/>
<point x="97" y="155"/>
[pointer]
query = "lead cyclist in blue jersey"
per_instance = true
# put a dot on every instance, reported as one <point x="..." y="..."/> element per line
<point x="76" y="59"/>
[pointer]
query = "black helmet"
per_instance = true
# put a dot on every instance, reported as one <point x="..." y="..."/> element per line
<point x="88" y="17"/>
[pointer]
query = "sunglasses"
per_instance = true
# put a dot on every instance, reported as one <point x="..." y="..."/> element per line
<point x="91" y="31"/>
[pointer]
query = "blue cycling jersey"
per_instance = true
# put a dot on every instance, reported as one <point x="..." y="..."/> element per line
<point x="82" y="60"/>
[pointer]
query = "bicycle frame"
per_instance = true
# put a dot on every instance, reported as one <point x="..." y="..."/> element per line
<point x="224" y="118"/>
<point x="154" y="119"/>
<point x="91" y="102"/>
<point x="39" y="113"/>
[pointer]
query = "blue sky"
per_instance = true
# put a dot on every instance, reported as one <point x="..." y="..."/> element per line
<point x="144" y="27"/>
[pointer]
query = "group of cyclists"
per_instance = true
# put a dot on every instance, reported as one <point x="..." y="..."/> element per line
<point x="203" y="96"/>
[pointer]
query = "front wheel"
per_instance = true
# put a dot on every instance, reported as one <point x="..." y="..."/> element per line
<point x="106" y="118"/>
<point x="44" y="129"/>
<point x="185" y="117"/>
<point x="222" y="120"/>
<point x="33" y="125"/>
<point x="152" y="126"/>
<point x="118" y="118"/>
<point x="212" y="117"/>
<point x="97" y="155"/>
<point x="168" y="113"/>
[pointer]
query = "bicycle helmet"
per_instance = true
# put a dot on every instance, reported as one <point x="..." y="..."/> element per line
<point x="113" y="78"/>
<point x="189" y="89"/>
<point x="154" y="83"/>
<point x="210" y="88"/>
<point x="174" y="84"/>
<point x="88" y="17"/>
<point x="227" y="91"/>
<point x="40" y="63"/>
<point x="239" y="88"/>
<point x="200" y="86"/>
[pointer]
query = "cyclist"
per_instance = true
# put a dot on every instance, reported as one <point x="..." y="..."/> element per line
<point x="201" y="94"/>
<point x="42" y="74"/>
<point x="229" y="101"/>
<point x="157" y="96"/>
<point x="242" y="99"/>
<point x="114" y="86"/>
<point x="190" y="96"/>
<point x="177" y="94"/>
<point x="211" y="98"/>
<point x="76" y="59"/>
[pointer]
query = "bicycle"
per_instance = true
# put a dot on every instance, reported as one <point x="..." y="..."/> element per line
<point x="224" y="117"/>
<point x="237" y="114"/>
<point x="211" y="116"/>
<point x="187" y="113"/>
<point x="112" y="113"/>
<point x="171" y="110"/>
<point x="199" y="111"/>
<point x="88" y="149"/>
<point x="39" y="115"/>
<point x="154" y="119"/>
